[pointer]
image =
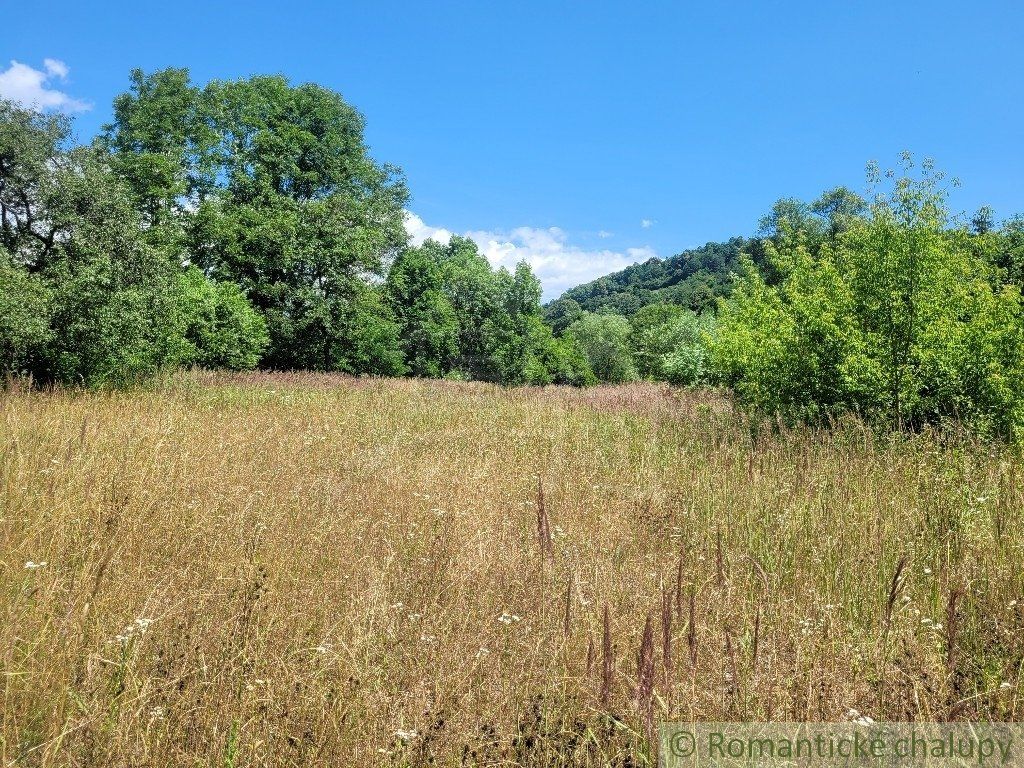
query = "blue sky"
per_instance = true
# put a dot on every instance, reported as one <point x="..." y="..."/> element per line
<point x="586" y="136"/>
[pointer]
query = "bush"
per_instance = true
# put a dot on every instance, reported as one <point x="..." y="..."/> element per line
<point x="24" y="317"/>
<point x="687" y="364"/>
<point x="221" y="327"/>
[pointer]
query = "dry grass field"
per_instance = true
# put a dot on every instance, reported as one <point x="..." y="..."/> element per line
<point x="276" y="570"/>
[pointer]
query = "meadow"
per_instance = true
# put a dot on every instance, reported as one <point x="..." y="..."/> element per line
<point x="309" y="569"/>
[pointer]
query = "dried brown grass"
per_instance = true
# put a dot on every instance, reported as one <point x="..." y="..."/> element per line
<point x="302" y="569"/>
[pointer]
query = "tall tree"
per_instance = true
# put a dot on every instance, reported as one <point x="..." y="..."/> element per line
<point x="415" y="290"/>
<point x="276" y="193"/>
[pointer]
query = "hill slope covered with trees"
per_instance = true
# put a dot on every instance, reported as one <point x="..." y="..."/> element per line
<point x="693" y="279"/>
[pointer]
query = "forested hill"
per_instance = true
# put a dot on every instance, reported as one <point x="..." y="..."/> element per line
<point x="693" y="278"/>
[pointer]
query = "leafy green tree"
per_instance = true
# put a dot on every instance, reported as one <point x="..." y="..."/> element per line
<point x="161" y="143"/>
<point x="517" y="330"/>
<point x="114" y="309"/>
<point x="275" y="191"/>
<point x="565" y="362"/>
<point x="461" y="318"/>
<point x="69" y="223"/>
<point x="32" y="151"/>
<point x="791" y="347"/>
<point x="838" y="209"/>
<point x="651" y="337"/>
<point x="429" y="326"/>
<point x="1007" y="250"/>
<point x="604" y="339"/>
<point x="905" y="275"/>
<point x="669" y="342"/>
<point x="687" y="363"/>
<point x="790" y="215"/>
<point x="373" y="338"/>
<point x="983" y="220"/>
<point x="561" y="313"/>
<point x="476" y="294"/>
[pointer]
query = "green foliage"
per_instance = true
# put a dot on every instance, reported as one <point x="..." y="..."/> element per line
<point x="244" y="223"/>
<point x="272" y="189"/>
<point x="1006" y="250"/>
<point x="897" y="318"/>
<point x="652" y="337"/>
<point x="566" y="362"/>
<point x="561" y="313"/>
<point x="415" y="290"/>
<point x="114" y="308"/>
<point x="460" y="318"/>
<point x="221" y="327"/>
<point x="372" y="338"/>
<point x="604" y="339"/>
<point x="692" y="279"/>
<point x="77" y="255"/>
<point x="687" y="363"/>
<point x="160" y="143"/>
<point x="24" y="317"/>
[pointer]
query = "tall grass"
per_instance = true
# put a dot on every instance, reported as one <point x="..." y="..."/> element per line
<point x="313" y="570"/>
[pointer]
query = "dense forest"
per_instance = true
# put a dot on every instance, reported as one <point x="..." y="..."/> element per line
<point x="244" y="224"/>
<point x="692" y="279"/>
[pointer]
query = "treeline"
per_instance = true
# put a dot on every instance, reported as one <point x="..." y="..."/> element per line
<point x="237" y="225"/>
<point x="244" y="224"/>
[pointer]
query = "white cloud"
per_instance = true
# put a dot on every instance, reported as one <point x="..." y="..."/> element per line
<point x="57" y="68"/>
<point x="647" y="223"/>
<point x="604" y="234"/>
<point x="419" y="232"/>
<point x="559" y="264"/>
<point x="30" y="87"/>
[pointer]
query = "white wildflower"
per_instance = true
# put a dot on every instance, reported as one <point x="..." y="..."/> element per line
<point x="31" y="566"/>
<point x="137" y="627"/>
<point x="855" y="716"/>
<point x="508" y="618"/>
<point x="406" y="735"/>
<point x="482" y="652"/>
